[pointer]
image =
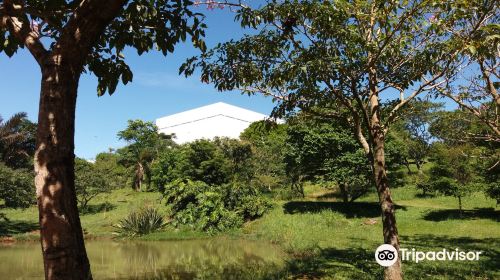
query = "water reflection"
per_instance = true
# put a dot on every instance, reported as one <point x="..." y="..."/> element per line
<point x="221" y="258"/>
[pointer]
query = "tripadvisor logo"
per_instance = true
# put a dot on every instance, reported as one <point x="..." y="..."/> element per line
<point x="387" y="255"/>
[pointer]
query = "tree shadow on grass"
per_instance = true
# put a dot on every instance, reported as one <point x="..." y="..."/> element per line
<point x="333" y="195"/>
<point x="354" y="263"/>
<point x="97" y="208"/>
<point x="350" y="210"/>
<point x="485" y="268"/>
<point x="9" y="227"/>
<point x="454" y="214"/>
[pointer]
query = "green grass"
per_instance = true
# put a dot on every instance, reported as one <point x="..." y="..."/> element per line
<point x="324" y="238"/>
<point x="328" y="240"/>
<point x="99" y="220"/>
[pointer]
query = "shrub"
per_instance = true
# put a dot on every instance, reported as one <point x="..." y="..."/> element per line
<point x="89" y="182"/>
<point x="213" y="208"/>
<point x="141" y="222"/>
<point x="16" y="187"/>
<point x="424" y="184"/>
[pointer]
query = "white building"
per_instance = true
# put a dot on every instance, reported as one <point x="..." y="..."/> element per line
<point x="218" y="119"/>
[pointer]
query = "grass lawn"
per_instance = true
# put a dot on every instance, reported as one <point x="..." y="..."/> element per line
<point x="329" y="240"/>
<point x="324" y="238"/>
<point x="104" y="212"/>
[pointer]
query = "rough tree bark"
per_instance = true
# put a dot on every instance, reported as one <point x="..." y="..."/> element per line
<point x="139" y="176"/>
<point x="377" y="137"/>
<point x="62" y="242"/>
<point x="61" y="237"/>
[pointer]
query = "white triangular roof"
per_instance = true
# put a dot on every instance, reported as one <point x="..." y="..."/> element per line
<point x="218" y="119"/>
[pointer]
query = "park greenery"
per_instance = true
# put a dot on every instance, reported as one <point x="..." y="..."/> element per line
<point x="296" y="184"/>
<point x="390" y="110"/>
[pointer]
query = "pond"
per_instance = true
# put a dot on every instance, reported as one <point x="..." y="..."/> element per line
<point x="220" y="258"/>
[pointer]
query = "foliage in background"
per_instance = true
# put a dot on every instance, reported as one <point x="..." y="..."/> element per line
<point x="322" y="150"/>
<point x="108" y="164"/>
<point x="413" y="133"/>
<point x="453" y="172"/>
<point x="268" y="140"/>
<point x="17" y="141"/>
<point x="17" y="147"/>
<point x="214" y="162"/>
<point x="89" y="182"/>
<point x="145" y="220"/>
<point x="213" y="208"/>
<point x="16" y="187"/>
<point x="145" y="143"/>
<point x="461" y="130"/>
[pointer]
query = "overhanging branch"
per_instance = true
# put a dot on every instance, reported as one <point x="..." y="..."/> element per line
<point x="17" y="23"/>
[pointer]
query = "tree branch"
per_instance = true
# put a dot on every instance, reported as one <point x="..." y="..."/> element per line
<point x="14" y="19"/>
<point x="84" y="28"/>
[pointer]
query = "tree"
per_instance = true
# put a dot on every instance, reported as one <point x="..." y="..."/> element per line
<point x="16" y="187"/>
<point x="414" y="133"/>
<point x="239" y="155"/>
<point x="369" y="58"/>
<point x="268" y="140"/>
<point x="459" y="129"/>
<point x="67" y="38"/>
<point x="108" y="164"/>
<point x="145" y="143"/>
<point x="475" y="87"/>
<point x="204" y="161"/>
<point x="453" y="172"/>
<point x="17" y="141"/>
<point x="327" y="151"/>
<point x="89" y="182"/>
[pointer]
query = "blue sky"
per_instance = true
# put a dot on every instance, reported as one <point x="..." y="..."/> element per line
<point x="156" y="91"/>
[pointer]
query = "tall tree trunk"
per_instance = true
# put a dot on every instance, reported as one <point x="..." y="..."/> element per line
<point x="344" y="193"/>
<point x="460" y="206"/>
<point x="407" y="164"/>
<point x="139" y="176"/>
<point x="390" y="230"/>
<point x="63" y="248"/>
<point x="377" y="137"/>
<point x="419" y="166"/>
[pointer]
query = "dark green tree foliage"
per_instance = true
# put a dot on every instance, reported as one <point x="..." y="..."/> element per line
<point x="239" y="155"/>
<point x="17" y="141"/>
<point x="109" y="165"/>
<point x="489" y="169"/>
<point x="460" y="128"/>
<point x="214" y="162"/>
<point x="324" y="150"/>
<point x="145" y="144"/>
<point x="453" y="172"/>
<point x="268" y="140"/>
<point x="142" y="25"/>
<point x="213" y="208"/>
<point x="89" y="182"/>
<point x="16" y="187"/>
<point x="204" y="161"/>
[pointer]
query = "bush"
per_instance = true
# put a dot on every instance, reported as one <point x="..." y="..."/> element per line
<point x="16" y="187"/>
<point x="89" y="182"/>
<point x="140" y="222"/>
<point x="423" y="183"/>
<point x="213" y="208"/>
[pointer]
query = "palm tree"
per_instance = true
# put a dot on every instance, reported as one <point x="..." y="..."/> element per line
<point x="17" y="140"/>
